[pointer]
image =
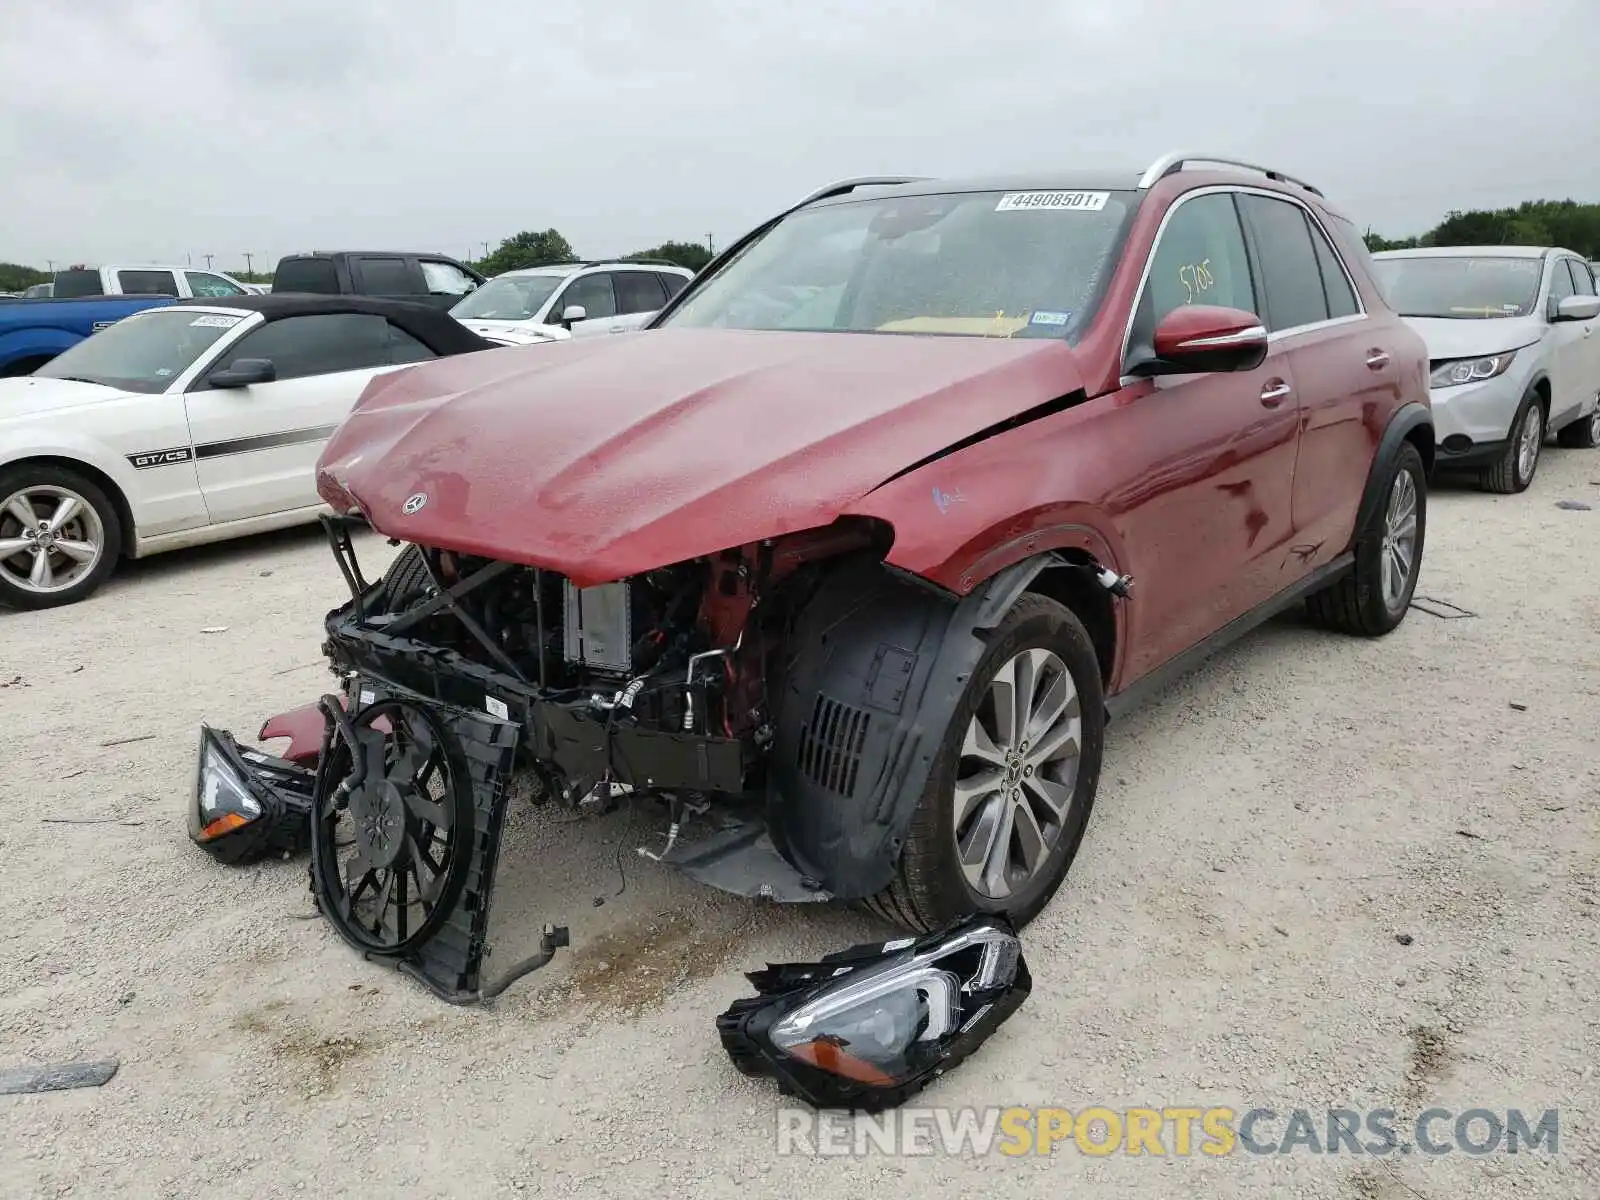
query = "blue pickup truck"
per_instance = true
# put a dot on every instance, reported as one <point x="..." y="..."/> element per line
<point x="32" y="332"/>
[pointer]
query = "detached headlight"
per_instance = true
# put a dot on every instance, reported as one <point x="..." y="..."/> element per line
<point x="1457" y="371"/>
<point x="246" y="804"/>
<point x="869" y="1027"/>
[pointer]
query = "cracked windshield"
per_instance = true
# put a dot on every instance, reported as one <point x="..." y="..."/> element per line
<point x="974" y="264"/>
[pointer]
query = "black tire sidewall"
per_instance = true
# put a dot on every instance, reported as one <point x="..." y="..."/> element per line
<point x="1530" y="403"/>
<point x="1036" y="623"/>
<point x="1369" y="568"/>
<point x="13" y="479"/>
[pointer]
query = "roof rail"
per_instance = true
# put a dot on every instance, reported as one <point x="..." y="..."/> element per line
<point x="1167" y="164"/>
<point x="624" y="261"/>
<point x="846" y="186"/>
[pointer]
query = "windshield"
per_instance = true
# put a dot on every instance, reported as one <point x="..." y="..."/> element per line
<point x="141" y="353"/>
<point x="508" y="298"/>
<point x="1465" y="287"/>
<point x="972" y="264"/>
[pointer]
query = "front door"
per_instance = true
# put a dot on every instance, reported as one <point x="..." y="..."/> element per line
<point x="639" y="297"/>
<point x="1575" y="357"/>
<point x="1211" y="506"/>
<point x="598" y="298"/>
<point x="256" y="447"/>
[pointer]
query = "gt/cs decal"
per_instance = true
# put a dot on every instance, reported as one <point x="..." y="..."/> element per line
<point x="160" y="458"/>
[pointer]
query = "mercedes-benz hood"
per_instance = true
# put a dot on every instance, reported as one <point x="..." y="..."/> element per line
<point x="603" y="457"/>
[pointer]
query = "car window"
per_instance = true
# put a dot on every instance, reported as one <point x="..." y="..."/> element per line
<point x="638" y="291"/>
<point x="403" y="348"/>
<point x="1581" y="279"/>
<point x="673" y="283"/>
<point x="318" y="345"/>
<point x="1200" y="259"/>
<point x="591" y="291"/>
<point x="317" y="276"/>
<point x="1335" y="283"/>
<point x="147" y="283"/>
<point x="203" y="283"/>
<point x="446" y="279"/>
<point x="144" y="352"/>
<point x="1288" y="263"/>
<point x="1560" y="282"/>
<point x="386" y="277"/>
<point x="81" y="281"/>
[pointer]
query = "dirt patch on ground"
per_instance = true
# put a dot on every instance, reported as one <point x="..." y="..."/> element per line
<point x="633" y="969"/>
<point x="1427" y="1060"/>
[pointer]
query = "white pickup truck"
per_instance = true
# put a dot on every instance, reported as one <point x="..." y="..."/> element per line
<point x="144" y="280"/>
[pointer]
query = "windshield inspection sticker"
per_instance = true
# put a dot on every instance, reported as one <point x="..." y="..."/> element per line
<point x="1073" y="201"/>
<point x="214" y="321"/>
<point x="1049" y="318"/>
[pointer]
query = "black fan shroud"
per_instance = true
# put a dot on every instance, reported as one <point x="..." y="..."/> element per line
<point x="392" y="833"/>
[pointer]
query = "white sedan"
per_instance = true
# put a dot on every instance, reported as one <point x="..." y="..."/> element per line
<point x="188" y="423"/>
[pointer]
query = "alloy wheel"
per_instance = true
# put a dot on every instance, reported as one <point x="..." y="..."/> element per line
<point x="50" y="538"/>
<point x="1399" y="538"/>
<point x="1529" y="439"/>
<point x="1018" y="773"/>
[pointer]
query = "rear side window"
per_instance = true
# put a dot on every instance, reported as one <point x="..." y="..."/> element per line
<point x="1354" y="248"/>
<point x="202" y="283"/>
<point x="1581" y="279"/>
<point x="320" y="345"/>
<point x="1200" y="260"/>
<point x="387" y="277"/>
<point x="147" y="283"/>
<point x="1335" y="284"/>
<point x="673" y="283"/>
<point x="314" y="275"/>
<point x="1288" y="263"/>
<point x="638" y="291"/>
<point x="403" y="348"/>
<point x="70" y="284"/>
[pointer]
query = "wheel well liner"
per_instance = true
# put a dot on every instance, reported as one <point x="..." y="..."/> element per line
<point x="861" y="714"/>
<point x="1411" y="423"/>
<point x="95" y="476"/>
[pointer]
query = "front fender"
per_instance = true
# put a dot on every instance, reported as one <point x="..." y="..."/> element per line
<point x="41" y="341"/>
<point x="70" y="445"/>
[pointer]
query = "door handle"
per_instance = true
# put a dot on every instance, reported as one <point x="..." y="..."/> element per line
<point x="1377" y="359"/>
<point x="1274" y="393"/>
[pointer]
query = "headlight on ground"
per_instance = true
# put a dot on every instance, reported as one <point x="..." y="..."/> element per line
<point x="869" y="1027"/>
<point x="1457" y="371"/>
<point x="246" y="804"/>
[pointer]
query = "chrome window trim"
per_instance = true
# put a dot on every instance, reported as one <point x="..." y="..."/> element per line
<point x="1230" y="189"/>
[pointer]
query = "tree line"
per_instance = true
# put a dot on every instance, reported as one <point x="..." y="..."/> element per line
<point x="1564" y="223"/>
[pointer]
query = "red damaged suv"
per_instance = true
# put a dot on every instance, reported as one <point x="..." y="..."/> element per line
<point x="849" y="556"/>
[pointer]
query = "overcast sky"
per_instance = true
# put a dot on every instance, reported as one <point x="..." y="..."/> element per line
<point x="155" y="130"/>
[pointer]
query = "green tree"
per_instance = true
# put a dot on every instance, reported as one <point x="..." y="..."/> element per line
<point x="528" y="249"/>
<point x="692" y="255"/>
<point x="14" y="277"/>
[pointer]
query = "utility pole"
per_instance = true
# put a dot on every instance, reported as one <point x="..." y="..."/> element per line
<point x="188" y="257"/>
<point x="50" y="265"/>
<point x="249" y="266"/>
<point x="711" y="249"/>
<point x="208" y="258"/>
<point x="486" y="249"/>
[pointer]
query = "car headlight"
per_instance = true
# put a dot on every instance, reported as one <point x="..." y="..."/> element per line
<point x="1457" y="371"/>
<point x="247" y="804"/>
<point x="866" y="1028"/>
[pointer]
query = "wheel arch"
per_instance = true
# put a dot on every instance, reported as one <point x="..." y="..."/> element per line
<point x="108" y="485"/>
<point x="1412" y="424"/>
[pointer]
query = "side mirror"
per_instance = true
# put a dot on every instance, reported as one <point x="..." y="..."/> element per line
<point x="1577" y="308"/>
<point x="243" y="373"/>
<point x="1203" y="337"/>
<point x="574" y="312"/>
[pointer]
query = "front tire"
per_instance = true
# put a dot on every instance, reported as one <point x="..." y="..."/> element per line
<point x="1372" y="598"/>
<point x="1009" y="795"/>
<point x="1514" y="470"/>
<point x="60" y="536"/>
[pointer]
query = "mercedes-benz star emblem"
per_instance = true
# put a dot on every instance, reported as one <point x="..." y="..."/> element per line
<point x="413" y="503"/>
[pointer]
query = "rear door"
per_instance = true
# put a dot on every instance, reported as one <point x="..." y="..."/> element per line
<point x="1211" y="506"/>
<point x="256" y="447"/>
<point x="673" y="283"/>
<point x="391" y="275"/>
<point x="639" y="297"/>
<point x="135" y="281"/>
<point x="597" y="295"/>
<point x="1345" y="365"/>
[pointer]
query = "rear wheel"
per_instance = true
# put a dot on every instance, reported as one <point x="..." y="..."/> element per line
<point x="59" y="536"/>
<point x="1010" y="792"/>
<point x="1582" y="434"/>
<point x="1513" y="471"/>
<point x="1372" y="598"/>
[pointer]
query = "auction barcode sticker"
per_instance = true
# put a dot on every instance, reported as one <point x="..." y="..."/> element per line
<point x="1074" y="201"/>
<point x="215" y="321"/>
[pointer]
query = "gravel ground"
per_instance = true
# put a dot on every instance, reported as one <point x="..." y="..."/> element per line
<point x="1322" y="872"/>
